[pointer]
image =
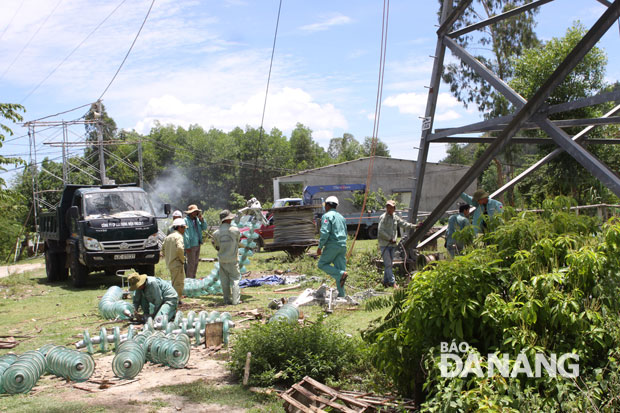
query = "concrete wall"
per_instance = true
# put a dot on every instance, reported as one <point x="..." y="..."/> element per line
<point x="393" y="176"/>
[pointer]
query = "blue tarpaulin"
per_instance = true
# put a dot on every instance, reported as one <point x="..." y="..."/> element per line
<point x="268" y="280"/>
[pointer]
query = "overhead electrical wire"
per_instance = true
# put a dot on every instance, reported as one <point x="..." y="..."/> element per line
<point x="12" y="18"/>
<point x="375" y="132"/>
<point x="30" y="40"/>
<point x="72" y="51"/>
<point x="128" y="51"/>
<point x="273" y="51"/>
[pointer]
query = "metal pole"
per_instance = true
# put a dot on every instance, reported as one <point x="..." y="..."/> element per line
<point x="140" y="170"/>
<point x="427" y="123"/>
<point x="65" y="169"/>
<point x="99" y="116"/>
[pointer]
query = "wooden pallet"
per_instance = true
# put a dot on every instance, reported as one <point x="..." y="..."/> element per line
<point x="310" y="396"/>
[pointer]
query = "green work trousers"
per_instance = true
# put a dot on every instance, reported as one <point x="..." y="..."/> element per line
<point x="334" y="262"/>
<point x="168" y="307"/>
<point x="229" y="278"/>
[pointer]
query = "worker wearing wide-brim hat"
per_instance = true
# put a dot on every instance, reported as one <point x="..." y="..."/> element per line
<point x="193" y="238"/>
<point x="387" y="235"/>
<point x="153" y="295"/>
<point x="485" y="207"/>
<point x="173" y="251"/>
<point x="226" y="242"/>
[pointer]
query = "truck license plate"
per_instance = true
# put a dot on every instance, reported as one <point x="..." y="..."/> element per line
<point x="124" y="256"/>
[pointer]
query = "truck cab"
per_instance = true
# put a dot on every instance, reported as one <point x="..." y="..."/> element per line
<point x="100" y="228"/>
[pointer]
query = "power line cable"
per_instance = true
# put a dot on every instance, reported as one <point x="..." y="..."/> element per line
<point x="375" y="132"/>
<point x="30" y="40"/>
<point x="128" y="51"/>
<point x="73" y="51"/>
<point x="273" y="50"/>
<point x="12" y="18"/>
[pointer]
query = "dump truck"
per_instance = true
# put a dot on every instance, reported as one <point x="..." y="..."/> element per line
<point x="100" y="228"/>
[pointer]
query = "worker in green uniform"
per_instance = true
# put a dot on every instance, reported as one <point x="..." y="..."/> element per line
<point x="456" y="223"/>
<point x="333" y="244"/>
<point x="155" y="296"/>
<point x="485" y="209"/>
<point x="226" y="242"/>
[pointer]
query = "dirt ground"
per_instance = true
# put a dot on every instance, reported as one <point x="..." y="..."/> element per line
<point x="6" y="270"/>
<point x="105" y="390"/>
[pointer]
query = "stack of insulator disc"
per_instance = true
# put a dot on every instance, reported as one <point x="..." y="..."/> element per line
<point x="70" y="364"/>
<point x="129" y="359"/>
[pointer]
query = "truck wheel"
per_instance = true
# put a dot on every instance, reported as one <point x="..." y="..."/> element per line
<point x="50" y="266"/>
<point x="79" y="272"/>
<point x="373" y="231"/>
<point x="149" y="270"/>
<point x="61" y="262"/>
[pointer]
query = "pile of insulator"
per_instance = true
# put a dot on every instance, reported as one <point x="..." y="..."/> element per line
<point x="112" y="306"/>
<point x="19" y="374"/>
<point x="70" y="364"/>
<point x="171" y="350"/>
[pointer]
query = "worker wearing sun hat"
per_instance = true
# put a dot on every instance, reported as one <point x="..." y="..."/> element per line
<point x="333" y="244"/>
<point x="193" y="238"/>
<point x="155" y="296"/>
<point x="387" y="234"/>
<point x="226" y="242"/>
<point x="485" y="209"/>
<point x="173" y="252"/>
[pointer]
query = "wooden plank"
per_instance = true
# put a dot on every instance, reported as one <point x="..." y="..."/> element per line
<point x="323" y="400"/>
<point x="287" y="398"/>
<point x="333" y="392"/>
<point x="246" y="370"/>
<point x="214" y="334"/>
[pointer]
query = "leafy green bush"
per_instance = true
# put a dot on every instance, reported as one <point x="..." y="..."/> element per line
<point x="283" y="353"/>
<point x="545" y="283"/>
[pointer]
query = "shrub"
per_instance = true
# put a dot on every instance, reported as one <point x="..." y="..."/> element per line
<point x="283" y="353"/>
<point x="544" y="283"/>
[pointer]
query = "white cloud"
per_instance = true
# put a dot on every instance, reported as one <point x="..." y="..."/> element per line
<point x="415" y="104"/>
<point x="285" y="108"/>
<point x="328" y="22"/>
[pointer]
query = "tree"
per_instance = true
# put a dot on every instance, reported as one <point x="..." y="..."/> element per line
<point x="306" y="152"/>
<point x="458" y="154"/>
<point x="564" y="175"/>
<point x="13" y="210"/>
<point x="9" y="111"/>
<point x="345" y="149"/>
<point x="503" y="40"/>
<point x="381" y="148"/>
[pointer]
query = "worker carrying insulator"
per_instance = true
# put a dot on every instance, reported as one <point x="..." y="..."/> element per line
<point x="485" y="209"/>
<point x="154" y="295"/>
<point x="173" y="252"/>
<point x="333" y="244"/>
<point x="386" y="236"/>
<point x="226" y="242"/>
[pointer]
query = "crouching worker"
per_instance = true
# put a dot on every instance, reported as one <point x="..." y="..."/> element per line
<point x="154" y="295"/>
<point x="226" y="242"/>
<point x="173" y="252"/>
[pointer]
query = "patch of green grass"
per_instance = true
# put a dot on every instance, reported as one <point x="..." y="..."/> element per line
<point x="225" y="395"/>
<point x="44" y="403"/>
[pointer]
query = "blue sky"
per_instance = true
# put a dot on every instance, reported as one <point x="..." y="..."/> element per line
<point x="206" y="63"/>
